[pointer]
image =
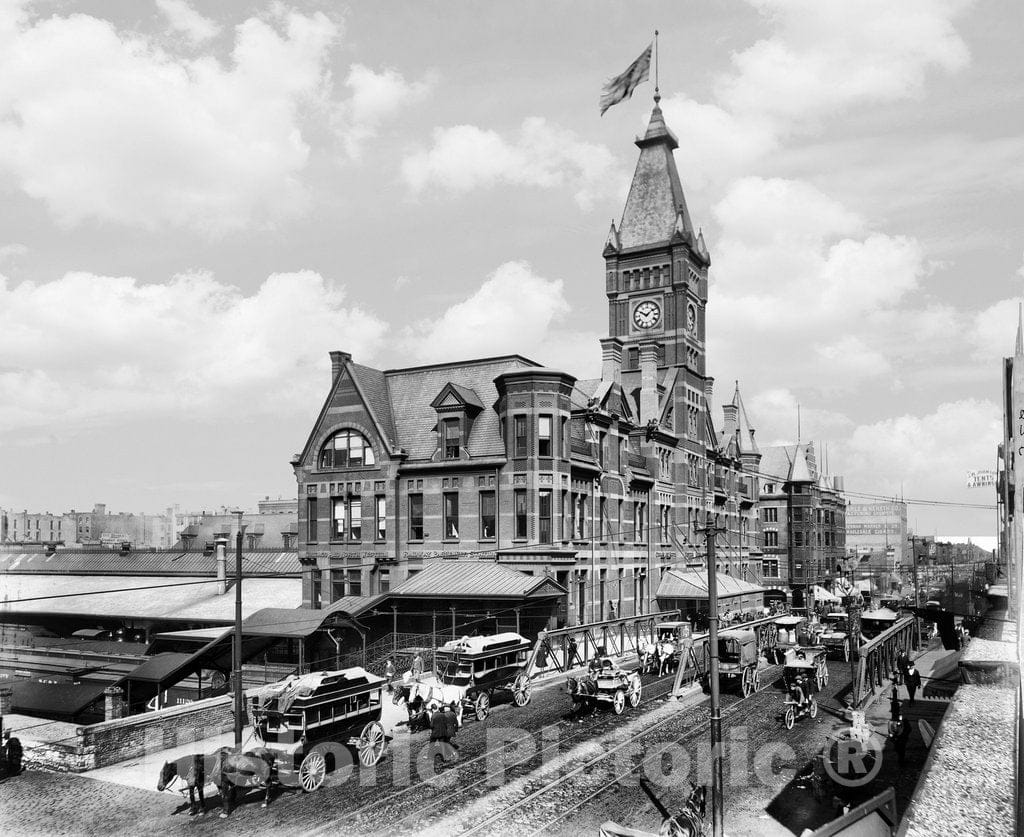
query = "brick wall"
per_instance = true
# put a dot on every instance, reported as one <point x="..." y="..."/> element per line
<point x="110" y="742"/>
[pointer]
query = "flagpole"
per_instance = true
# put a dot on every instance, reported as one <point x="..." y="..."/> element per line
<point x="656" y="92"/>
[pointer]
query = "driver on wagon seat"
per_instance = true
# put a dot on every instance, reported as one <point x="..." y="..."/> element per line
<point x="799" y="691"/>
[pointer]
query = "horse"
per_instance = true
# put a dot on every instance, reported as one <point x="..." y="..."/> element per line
<point x="648" y="658"/>
<point x="666" y="657"/>
<point x="687" y="823"/>
<point x="194" y="778"/>
<point x="233" y="770"/>
<point x="582" y="691"/>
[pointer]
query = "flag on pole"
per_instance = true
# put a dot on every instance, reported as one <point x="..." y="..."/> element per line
<point x="622" y="86"/>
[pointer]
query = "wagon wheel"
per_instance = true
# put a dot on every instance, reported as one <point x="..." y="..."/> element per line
<point x="312" y="771"/>
<point x="746" y="683"/>
<point x="372" y="742"/>
<point x="521" y="690"/>
<point x="635" y="689"/>
<point x="757" y="679"/>
<point x="846" y="650"/>
<point x="619" y="701"/>
<point x="789" y="718"/>
<point x="824" y="678"/>
<point x="813" y="712"/>
<point x="483" y="706"/>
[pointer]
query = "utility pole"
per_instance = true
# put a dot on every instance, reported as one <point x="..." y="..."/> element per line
<point x="917" y="593"/>
<point x="237" y="655"/>
<point x="711" y="530"/>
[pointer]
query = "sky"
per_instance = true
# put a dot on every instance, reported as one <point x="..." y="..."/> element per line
<point x="201" y="200"/>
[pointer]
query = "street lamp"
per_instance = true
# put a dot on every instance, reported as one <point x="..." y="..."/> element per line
<point x="237" y="651"/>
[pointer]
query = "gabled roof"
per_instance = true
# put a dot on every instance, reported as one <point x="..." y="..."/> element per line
<point x="453" y="395"/>
<point x="744" y="432"/>
<point x="655" y="204"/>
<point x="413" y="390"/>
<point x="164" y="562"/>
<point x="789" y="463"/>
<point x="476" y="579"/>
<point x="374" y="387"/>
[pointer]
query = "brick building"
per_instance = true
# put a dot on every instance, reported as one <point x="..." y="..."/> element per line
<point x="598" y="484"/>
<point x="803" y="520"/>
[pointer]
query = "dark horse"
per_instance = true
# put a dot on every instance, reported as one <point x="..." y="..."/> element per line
<point x="232" y="771"/>
<point x="192" y="770"/>
<point x="687" y="823"/>
<point x="228" y="770"/>
<point x="582" y="691"/>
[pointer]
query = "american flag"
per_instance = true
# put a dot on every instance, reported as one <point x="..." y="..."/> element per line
<point x="622" y="86"/>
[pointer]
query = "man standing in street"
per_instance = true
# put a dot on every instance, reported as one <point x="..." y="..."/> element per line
<point x="417" y="666"/>
<point x="389" y="673"/>
<point x="451" y="719"/>
<point x="12" y="754"/>
<point x="913" y="681"/>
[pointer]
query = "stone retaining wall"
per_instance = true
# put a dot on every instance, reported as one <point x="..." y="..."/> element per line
<point x="110" y="742"/>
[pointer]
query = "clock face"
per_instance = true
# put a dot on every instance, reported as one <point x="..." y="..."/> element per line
<point x="691" y="318"/>
<point x="646" y="314"/>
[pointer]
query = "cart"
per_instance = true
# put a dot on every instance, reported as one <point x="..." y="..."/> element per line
<point x="608" y="685"/>
<point x="738" y="659"/>
<point x="794" y="631"/>
<point x="874" y="622"/>
<point x="299" y="717"/>
<point x="811" y="662"/>
<point x="835" y="633"/>
<point x="669" y="643"/>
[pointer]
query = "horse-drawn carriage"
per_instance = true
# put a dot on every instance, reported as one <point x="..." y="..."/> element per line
<point x="738" y="659"/>
<point x="606" y="684"/>
<point x="835" y="633"/>
<point x="468" y="671"/>
<point x="805" y="672"/>
<point x="298" y="718"/>
<point x="794" y="632"/>
<point x="664" y="653"/>
<point x="874" y="622"/>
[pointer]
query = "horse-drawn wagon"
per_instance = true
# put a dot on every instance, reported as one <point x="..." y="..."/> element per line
<point x="794" y="631"/>
<point x="468" y="671"/>
<point x="835" y="633"/>
<point x="738" y="659"/>
<point x="669" y="640"/>
<point x="811" y="663"/>
<point x="606" y="684"/>
<point x="300" y="717"/>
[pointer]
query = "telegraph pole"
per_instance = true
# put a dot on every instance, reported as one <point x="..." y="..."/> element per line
<point x="711" y="530"/>
<point x="917" y="593"/>
<point x="237" y="655"/>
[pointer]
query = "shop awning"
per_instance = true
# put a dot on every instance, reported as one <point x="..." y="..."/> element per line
<point x="476" y="580"/>
<point x="677" y="584"/>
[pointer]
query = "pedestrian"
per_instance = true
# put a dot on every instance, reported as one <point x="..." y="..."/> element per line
<point x="12" y="754"/>
<point x="451" y="719"/>
<point x="913" y="681"/>
<point x="894" y="706"/>
<point x="439" y="734"/>
<point x="417" y="665"/>
<point x="899" y="732"/>
<point x="572" y="653"/>
<point x="389" y="673"/>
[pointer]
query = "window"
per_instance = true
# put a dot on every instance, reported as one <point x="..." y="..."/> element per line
<point x="337" y="585"/>
<point x="315" y="587"/>
<point x="311" y="519"/>
<point x="451" y="437"/>
<point x="579" y="515"/>
<point x="451" y="514"/>
<point x="384" y="581"/>
<point x="632" y="358"/>
<point x="770" y="567"/>
<point x="346" y="519"/>
<point x="566" y="516"/>
<point x="603" y="522"/>
<point x="544" y="516"/>
<point x="565" y="438"/>
<point x="769" y="488"/>
<point x="355" y="583"/>
<point x="640" y="522"/>
<point x="602" y="444"/>
<point x="798" y="515"/>
<point x="544" y="436"/>
<point x="488" y="508"/>
<point x="346" y="449"/>
<point x="520" y="512"/>
<point x="380" y="518"/>
<point x="798" y="539"/>
<point x="415" y="517"/>
<point x="355" y="517"/>
<point x="770" y="515"/>
<point x="771" y="537"/>
<point x="519" y="433"/>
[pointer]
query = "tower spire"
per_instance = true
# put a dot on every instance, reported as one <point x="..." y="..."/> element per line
<point x="657" y="92"/>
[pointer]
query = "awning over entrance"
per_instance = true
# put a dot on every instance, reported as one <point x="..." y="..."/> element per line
<point x="54" y="700"/>
<point x="677" y="584"/>
<point x="480" y="579"/>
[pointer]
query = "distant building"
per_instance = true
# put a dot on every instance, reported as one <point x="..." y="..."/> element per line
<point x="803" y="520"/>
<point x="281" y="505"/>
<point x="876" y="536"/>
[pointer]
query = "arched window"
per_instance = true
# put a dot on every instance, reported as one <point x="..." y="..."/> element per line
<point x="346" y="449"/>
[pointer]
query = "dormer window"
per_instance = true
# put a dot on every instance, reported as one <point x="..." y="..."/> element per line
<point x="451" y="437"/>
<point x="347" y="449"/>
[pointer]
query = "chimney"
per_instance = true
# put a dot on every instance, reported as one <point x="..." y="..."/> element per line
<point x="113" y="703"/>
<point x="338" y="361"/>
<point x="221" y="551"/>
<point x="611" y="359"/>
<point x="837" y="483"/>
<point x="709" y="389"/>
<point x="648" y="382"/>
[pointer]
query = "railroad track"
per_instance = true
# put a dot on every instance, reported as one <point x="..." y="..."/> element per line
<point x="449" y="780"/>
<point x="451" y="792"/>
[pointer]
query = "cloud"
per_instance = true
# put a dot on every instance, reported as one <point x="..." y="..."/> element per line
<point x="190" y="346"/>
<point x="375" y="98"/>
<point x="513" y="311"/>
<point x="463" y="158"/>
<point x="183" y="18"/>
<point x="10" y="251"/>
<point x="107" y="126"/>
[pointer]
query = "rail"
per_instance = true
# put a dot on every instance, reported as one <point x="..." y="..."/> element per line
<point x="877" y="658"/>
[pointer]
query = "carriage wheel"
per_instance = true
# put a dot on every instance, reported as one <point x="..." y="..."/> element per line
<point x="619" y="701"/>
<point x="846" y="651"/>
<point x="521" y="690"/>
<point x="312" y="771"/>
<point x="813" y="712"/>
<point x="372" y="742"/>
<point x="757" y="679"/>
<point x="635" y="689"/>
<point x="483" y="706"/>
<point x="789" y="718"/>
<point x="746" y="683"/>
<point x="824" y="678"/>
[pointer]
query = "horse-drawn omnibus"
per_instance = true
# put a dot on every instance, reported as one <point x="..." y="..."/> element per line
<point x="296" y="717"/>
<point x="468" y="671"/>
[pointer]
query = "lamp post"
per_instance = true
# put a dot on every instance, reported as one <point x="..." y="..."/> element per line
<point x="237" y="650"/>
<point x="711" y="529"/>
